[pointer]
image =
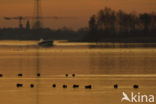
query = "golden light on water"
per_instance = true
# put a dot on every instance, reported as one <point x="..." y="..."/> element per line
<point x="110" y="67"/>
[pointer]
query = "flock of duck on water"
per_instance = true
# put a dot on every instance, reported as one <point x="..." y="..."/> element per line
<point x="18" y="85"/>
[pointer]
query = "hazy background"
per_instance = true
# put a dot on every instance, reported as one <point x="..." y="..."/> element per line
<point x="82" y="9"/>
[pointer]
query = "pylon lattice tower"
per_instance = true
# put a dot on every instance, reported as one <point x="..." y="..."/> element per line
<point x="37" y="14"/>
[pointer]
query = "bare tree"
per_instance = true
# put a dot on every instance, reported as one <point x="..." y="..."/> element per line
<point x="145" y="20"/>
<point x="106" y="19"/>
<point x="133" y="21"/>
<point x="92" y="24"/>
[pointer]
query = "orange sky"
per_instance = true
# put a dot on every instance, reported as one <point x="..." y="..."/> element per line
<point x="82" y="9"/>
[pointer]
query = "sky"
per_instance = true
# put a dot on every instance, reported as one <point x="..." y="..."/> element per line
<point x="81" y="10"/>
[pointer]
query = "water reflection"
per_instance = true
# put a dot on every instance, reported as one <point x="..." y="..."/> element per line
<point x="83" y="87"/>
<point x="122" y="61"/>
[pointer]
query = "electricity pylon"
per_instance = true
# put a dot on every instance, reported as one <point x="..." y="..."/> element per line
<point x="37" y="14"/>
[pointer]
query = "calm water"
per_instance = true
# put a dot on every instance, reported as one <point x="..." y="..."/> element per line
<point x="101" y="68"/>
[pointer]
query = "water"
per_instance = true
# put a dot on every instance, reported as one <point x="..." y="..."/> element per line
<point x="100" y="67"/>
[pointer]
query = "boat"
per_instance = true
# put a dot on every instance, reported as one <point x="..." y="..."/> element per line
<point x="46" y="43"/>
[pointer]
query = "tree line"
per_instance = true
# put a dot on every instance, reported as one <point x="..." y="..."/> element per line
<point x="108" y="24"/>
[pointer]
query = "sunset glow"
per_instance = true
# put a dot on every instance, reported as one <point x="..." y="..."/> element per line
<point x="82" y="9"/>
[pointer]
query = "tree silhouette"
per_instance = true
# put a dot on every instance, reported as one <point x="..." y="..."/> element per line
<point x="123" y="20"/>
<point x="145" y="20"/>
<point x="106" y="19"/>
<point x="92" y="24"/>
<point x="118" y="25"/>
<point x="133" y="21"/>
<point x="153" y="21"/>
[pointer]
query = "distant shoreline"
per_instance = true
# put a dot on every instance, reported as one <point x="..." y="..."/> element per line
<point x="57" y="43"/>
